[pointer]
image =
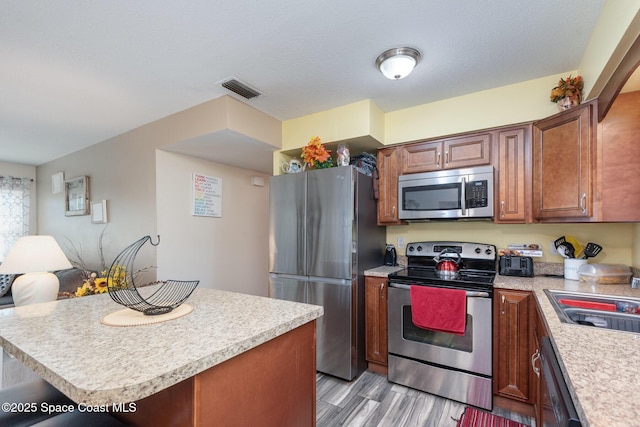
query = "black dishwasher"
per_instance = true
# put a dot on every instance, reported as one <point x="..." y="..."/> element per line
<point x="558" y="409"/>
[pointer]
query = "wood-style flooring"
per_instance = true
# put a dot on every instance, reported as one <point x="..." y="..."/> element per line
<point x="372" y="401"/>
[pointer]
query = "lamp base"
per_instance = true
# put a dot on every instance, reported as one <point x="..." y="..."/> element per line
<point x="34" y="288"/>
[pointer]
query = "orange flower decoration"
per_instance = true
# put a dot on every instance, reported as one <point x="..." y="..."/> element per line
<point x="569" y="87"/>
<point x="314" y="153"/>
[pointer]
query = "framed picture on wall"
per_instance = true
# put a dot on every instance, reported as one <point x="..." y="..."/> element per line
<point x="76" y="196"/>
<point x="99" y="212"/>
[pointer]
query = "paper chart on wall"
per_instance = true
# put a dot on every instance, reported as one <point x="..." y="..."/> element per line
<point x="207" y="196"/>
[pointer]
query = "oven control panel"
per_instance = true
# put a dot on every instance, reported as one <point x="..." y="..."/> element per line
<point x="465" y="249"/>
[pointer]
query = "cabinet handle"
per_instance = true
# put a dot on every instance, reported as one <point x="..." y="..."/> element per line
<point x="393" y="211"/>
<point x="439" y="156"/>
<point x="534" y="358"/>
<point x="502" y="299"/>
<point x="381" y="290"/>
<point x="446" y="157"/>
<point x="502" y="209"/>
<point x="583" y="204"/>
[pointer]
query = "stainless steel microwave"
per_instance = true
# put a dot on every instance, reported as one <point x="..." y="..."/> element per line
<point x="447" y="194"/>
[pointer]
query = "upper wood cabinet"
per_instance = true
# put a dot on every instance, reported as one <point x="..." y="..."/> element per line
<point x="619" y="160"/>
<point x="513" y="175"/>
<point x="387" y="163"/>
<point x="564" y="165"/>
<point x="450" y="153"/>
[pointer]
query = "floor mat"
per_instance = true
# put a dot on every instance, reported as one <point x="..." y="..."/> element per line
<point x="472" y="417"/>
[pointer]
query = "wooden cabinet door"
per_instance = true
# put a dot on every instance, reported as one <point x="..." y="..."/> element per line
<point x="513" y="204"/>
<point x="466" y="151"/>
<point x="512" y="355"/>
<point x="451" y="153"/>
<point x="620" y="162"/>
<point x="376" y="319"/>
<point x="387" y="164"/>
<point x="421" y="157"/>
<point x="563" y="164"/>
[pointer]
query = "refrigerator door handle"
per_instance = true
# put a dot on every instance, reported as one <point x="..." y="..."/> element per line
<point x="330" y="280"/>
<point x="286" y="276"/>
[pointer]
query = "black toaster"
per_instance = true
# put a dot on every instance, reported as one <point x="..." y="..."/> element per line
<point x="516" y="266"/>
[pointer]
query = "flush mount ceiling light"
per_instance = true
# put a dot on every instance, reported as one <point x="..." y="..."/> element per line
<point x="398" y="62"/>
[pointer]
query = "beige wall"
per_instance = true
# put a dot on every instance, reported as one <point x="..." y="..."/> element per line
<point x="229" y="253"/>
<point x="616" y="239"/>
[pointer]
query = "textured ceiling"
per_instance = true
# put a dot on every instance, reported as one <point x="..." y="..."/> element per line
<point x="76" y="72"/>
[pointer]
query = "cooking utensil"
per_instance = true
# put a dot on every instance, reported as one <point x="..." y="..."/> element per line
<point x="577" y="247"/>
<point x="562" y="250"/>
<point x="559" y="241"/>
<point x="568" y="250"/>
<point x="447" y="267"/>
<point x="591" y="250"/>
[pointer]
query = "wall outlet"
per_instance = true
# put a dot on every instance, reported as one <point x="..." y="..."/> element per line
<point x="552" y="248"/>
<point x="400" y="242"/>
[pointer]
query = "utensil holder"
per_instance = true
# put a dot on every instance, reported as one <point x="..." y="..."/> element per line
<point x="571" y="266"/>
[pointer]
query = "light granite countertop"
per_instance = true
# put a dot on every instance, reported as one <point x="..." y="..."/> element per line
<point x="94" y="364"/>
<point x="601" y="366"/>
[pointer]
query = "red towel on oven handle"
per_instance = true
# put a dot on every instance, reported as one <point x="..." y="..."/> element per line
<point x="439" y="309"/>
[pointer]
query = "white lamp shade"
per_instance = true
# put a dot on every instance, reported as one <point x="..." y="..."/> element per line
<point x="397" y="67"/>
<point x="34" y="254"/>
<point x="397" y="63"/>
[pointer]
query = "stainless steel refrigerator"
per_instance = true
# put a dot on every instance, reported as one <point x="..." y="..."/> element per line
<point x="323" y="235"/>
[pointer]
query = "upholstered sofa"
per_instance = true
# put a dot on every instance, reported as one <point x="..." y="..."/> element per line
<point x="69" y="279"/>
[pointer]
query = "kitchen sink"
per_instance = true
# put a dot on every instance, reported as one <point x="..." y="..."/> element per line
<point x="601" y="311"/>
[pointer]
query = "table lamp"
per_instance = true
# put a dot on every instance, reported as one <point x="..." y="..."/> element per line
<point x="34" y="257"/>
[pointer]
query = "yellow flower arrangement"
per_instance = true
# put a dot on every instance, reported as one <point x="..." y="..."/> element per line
<point x="99" y="285"/>
<point x="91" y="286"/>
<point x="571" y="87"/>
<point x="316" y="155"/>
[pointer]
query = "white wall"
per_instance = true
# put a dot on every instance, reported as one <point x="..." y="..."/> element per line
<point x="229" y="253"/>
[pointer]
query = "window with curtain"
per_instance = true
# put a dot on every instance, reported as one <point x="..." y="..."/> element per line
<point x="14" y="211"/>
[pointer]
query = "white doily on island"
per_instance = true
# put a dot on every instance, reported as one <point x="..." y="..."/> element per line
<point x="129" y="317"/>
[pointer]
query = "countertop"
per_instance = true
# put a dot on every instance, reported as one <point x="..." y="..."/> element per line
<point x="601" y="366"/>
<point x="65" y="343"/>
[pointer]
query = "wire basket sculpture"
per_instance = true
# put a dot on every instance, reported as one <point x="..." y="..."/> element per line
<point x="123" y="290"/>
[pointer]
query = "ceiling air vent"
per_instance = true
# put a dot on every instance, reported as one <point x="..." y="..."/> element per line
<point x="242" y="89"/>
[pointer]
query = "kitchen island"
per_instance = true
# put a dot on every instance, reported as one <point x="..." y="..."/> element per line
<point x="236" y="359"/>
<point x="600" y="366"/>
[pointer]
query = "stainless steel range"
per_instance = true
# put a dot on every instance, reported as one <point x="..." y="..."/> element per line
<point x="455" y="366"/>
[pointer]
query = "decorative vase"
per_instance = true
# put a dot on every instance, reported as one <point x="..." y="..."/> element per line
<point x="568" y="102"/>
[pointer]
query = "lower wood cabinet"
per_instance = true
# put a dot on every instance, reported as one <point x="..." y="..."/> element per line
<point x="376" y="322"/>
<point x="513" y="317"/>
<point x="539" y="331"/>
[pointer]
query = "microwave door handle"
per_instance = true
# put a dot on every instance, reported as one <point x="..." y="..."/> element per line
<point x="463" y="194"/>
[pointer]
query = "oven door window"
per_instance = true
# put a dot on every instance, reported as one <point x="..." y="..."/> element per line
<point x="436" y="197"/>
<point x="411" y="332"/>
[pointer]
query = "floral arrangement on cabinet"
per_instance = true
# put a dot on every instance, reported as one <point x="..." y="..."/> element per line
<point x="316" y="155"/>
<point x="568" y="93"/>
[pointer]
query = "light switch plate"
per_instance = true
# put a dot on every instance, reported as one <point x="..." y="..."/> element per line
<point x="400" y="242"/>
